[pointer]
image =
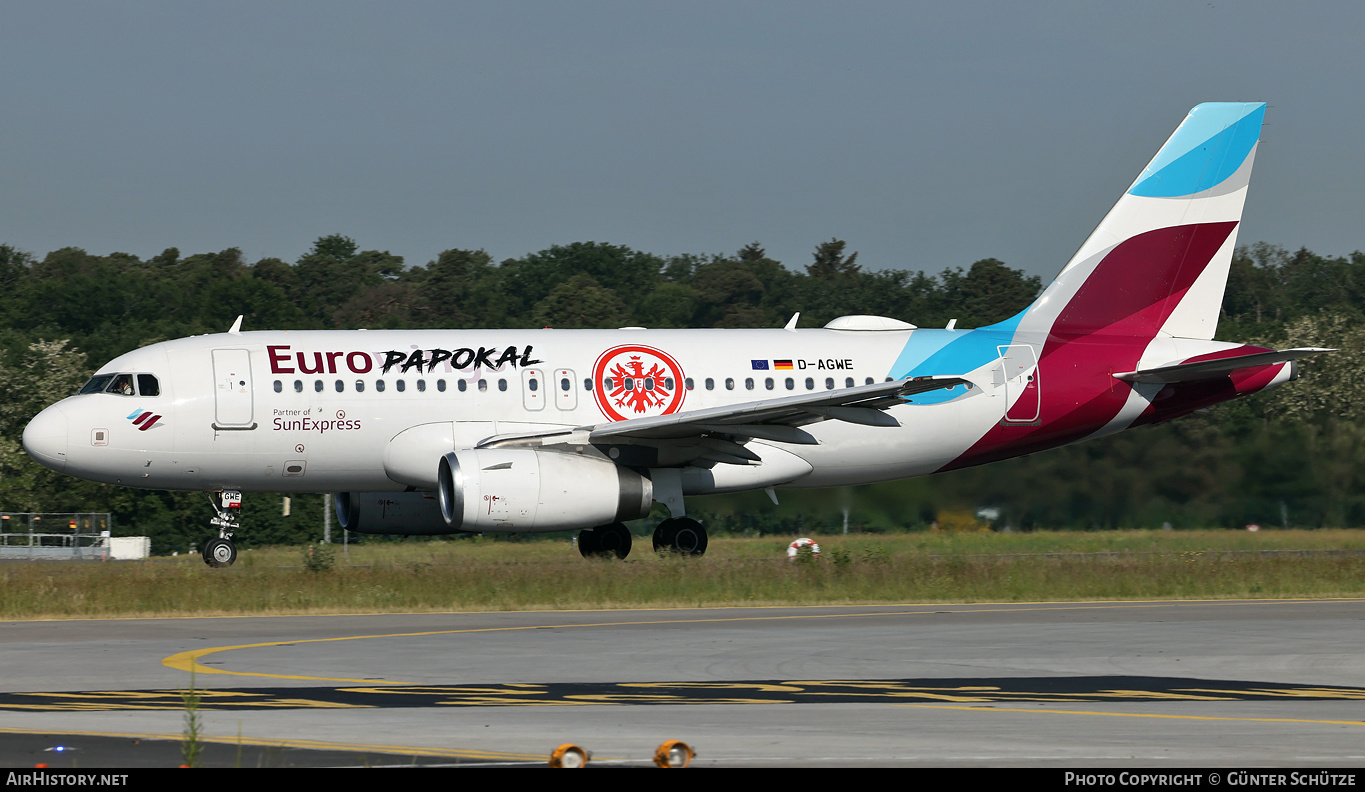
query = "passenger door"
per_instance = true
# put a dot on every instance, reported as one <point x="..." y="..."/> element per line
<point x="232" y="390"/>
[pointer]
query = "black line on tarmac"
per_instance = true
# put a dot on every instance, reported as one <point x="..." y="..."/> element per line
<point x="899" y="691"/>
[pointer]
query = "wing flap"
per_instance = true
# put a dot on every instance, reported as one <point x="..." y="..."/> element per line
<point x="847" y="404"/>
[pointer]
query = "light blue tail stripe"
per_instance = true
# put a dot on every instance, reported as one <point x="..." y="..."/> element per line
<point x="1208" y="148"/>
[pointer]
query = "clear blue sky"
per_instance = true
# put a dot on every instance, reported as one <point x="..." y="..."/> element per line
<point x="927" y="135"/>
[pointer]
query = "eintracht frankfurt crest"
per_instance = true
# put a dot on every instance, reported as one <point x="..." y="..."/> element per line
<point x="636" y="381"/>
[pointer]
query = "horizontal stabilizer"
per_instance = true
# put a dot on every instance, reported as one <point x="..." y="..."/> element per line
<point x="1220" y="367"/>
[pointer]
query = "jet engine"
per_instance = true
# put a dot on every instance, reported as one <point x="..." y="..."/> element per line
<point x="513" y="489"/>
<point x="410" y="513"/>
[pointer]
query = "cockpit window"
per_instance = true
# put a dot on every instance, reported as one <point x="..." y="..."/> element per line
<point x="97" y="383"/>
<point x="122" y="385"/>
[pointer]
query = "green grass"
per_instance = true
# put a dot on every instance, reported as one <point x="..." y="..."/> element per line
<point x="485" y="574"/>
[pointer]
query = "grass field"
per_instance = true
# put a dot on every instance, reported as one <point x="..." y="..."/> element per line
<point x="486" y="574"/>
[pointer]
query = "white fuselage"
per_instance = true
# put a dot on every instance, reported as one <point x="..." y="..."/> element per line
<point x="295" y="411"/>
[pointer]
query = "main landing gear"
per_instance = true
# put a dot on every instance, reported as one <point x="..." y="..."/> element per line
<point x="221" y="552"/>
<point x="604" y="541"/>
<point x="681" y="535"/>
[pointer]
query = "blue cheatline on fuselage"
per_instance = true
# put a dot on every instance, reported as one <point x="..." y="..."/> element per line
<point x="952" y="352"/>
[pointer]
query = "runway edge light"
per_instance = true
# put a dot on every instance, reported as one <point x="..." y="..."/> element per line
<point x="569" y="755"/>
<point x="674" y="753"/>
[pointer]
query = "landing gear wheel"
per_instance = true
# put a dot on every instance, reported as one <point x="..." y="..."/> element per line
<point x="680" y="535"/>
<point x="220" y="552"/>
<point x="605" y="540"/>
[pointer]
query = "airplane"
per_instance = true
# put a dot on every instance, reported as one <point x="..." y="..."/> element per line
<point x="422" y="432"/>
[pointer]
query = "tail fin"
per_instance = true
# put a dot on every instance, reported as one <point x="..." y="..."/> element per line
<point x="1158" y="262"/>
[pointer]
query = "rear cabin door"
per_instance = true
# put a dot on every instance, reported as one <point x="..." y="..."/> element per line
<point x="1019" y="364"/>
<point x="232" y="389"/>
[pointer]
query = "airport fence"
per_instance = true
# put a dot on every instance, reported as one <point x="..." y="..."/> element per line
<point x="55" y="535"/>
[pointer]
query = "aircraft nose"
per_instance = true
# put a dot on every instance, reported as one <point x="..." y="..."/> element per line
<point x="45" y="438"/>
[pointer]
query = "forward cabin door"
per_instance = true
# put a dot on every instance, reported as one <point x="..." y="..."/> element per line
<point x="232" y="389"/>
<point x="1019" y="366"/>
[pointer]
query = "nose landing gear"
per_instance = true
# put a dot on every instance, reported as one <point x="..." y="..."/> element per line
<point x="221" y="552"/>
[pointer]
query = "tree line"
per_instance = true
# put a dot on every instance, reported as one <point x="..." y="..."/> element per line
<point x="1290" y="456"/>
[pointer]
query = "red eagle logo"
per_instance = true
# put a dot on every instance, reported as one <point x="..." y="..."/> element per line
<point x="635" y="381"/>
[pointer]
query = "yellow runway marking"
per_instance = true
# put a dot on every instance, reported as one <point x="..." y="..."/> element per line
<point x="189" y="661"/>
<point x="1133" y="715"/>
<point x="317" y="745"/>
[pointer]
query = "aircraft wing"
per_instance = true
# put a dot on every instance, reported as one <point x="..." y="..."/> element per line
<point x="1220" y="367"/>
<point x="718" y="434"/>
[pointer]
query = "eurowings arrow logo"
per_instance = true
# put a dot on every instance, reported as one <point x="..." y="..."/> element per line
<point x="144" y="419"/>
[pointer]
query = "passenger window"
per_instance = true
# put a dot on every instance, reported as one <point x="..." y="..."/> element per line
<point x="422" y="386"/>
<point x="359" y="385"/>
<point x="279" y="386"/>
<point x="791" y="383"/>
<point x="810" y="383"/>
<point x="460" y="385"/>
<point x="587" y="384"/>
<point x="768" y="383"/>
<point x="147" y="385"/>
<point x="483" y="385"/>
<point x="607" y="384"/>
<point x="668" y="384"/>
<point x="502" y="384"/>
<point x="378" y="385"/>
<point x="564" y="384"/>
<point x="400" y="385"/>
<point x="298" y="386"/>
<point x="710" y="384"/>
<point x="730" y="383"/>
<point x="341" y="386"/>
<point x="829" y="383"/>
<point x="532" y="383"/>
<point x="688" y="382"/>
<point x="869" y="381"/>
<point x="441" y="385"/>
<point x="749" y="383"/>
<point x="317" y="386"/>
<point x="649" y="383"/>
<point x="848" y="382"/>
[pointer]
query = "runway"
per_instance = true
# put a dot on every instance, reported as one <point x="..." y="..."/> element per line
<point x="1213" y="683"/>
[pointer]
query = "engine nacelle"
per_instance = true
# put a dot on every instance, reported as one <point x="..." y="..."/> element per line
<point x="515" y="490"/>
<point x="410" y="513"/>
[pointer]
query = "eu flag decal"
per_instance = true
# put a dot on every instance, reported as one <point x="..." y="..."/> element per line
<point x="760" y="365"/>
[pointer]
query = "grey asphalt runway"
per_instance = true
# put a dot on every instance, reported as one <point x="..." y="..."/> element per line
<point x="1245" y="684"/>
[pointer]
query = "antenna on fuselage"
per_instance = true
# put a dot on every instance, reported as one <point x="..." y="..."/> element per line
<point x="791" y="324"/>
<point x="236" y="326"/>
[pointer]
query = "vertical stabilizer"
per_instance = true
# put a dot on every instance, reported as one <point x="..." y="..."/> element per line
<point x="1158" y="262"/>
